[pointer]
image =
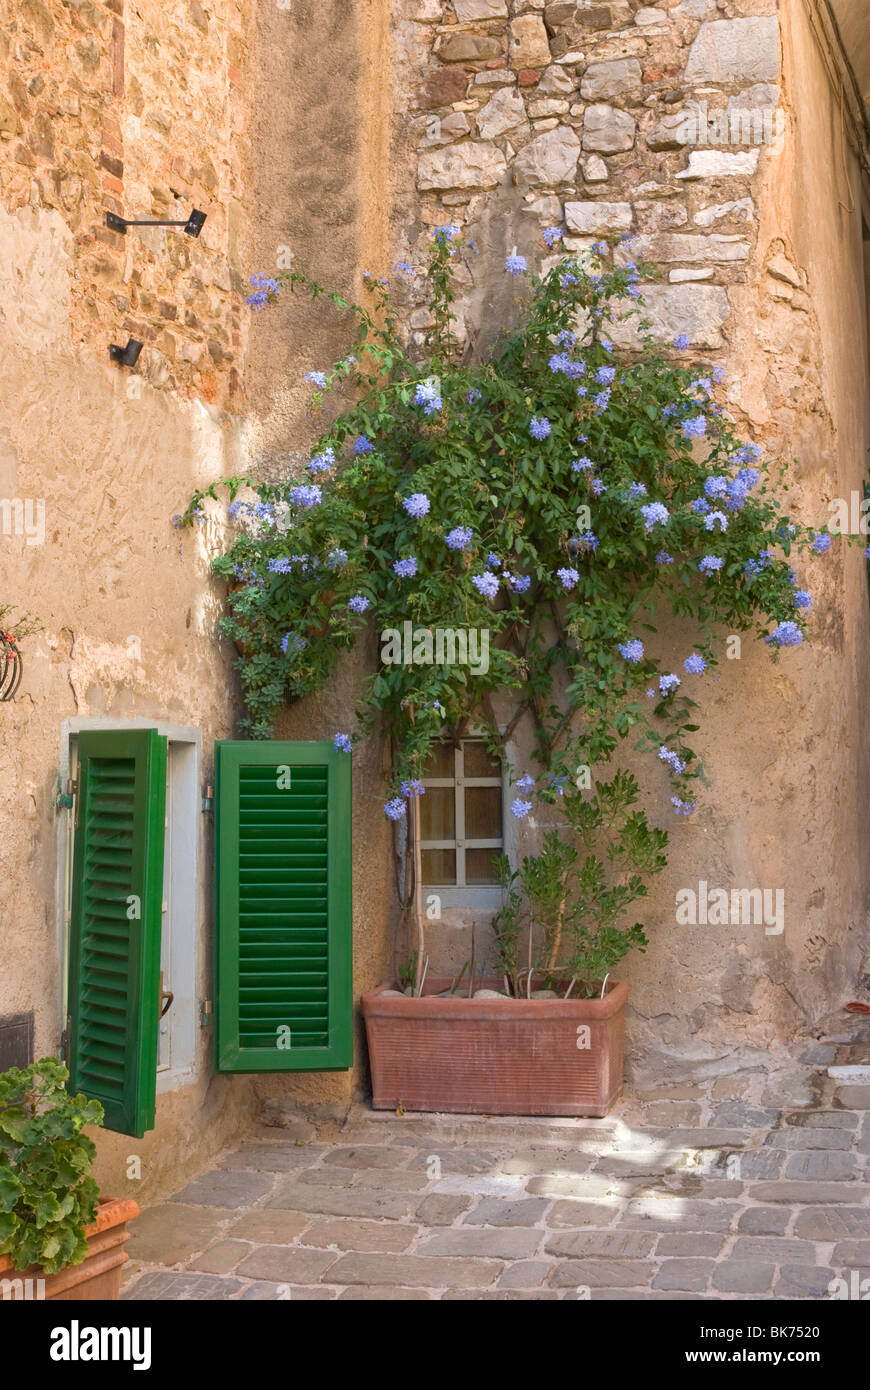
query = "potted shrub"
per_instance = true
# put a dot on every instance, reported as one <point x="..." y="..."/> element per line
<point x="547" y="1036"/>
<point x="561" y="495"/>
<point x="58" y="1238"/>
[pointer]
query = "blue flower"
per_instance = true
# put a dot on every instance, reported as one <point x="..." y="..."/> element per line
<point x="516" y="265"/>
<point x="362" y="446"/>
<point x="520" y="808"/>
<point x="413" y="788"/>
<point x="520" y="583"/>
<point x="321" y="463"/>
<point x="396" y="808"/>
<point x="695" y="664"/>
<point x="710" y="563"/>
<point x="673" y="760"/>
<point x="580" y="465"/>
<point x="359" y="603"/>
<point x="606" y="344"/>
<point x="663" y="558"/>
<point x="291" y="639"/>
<point x="427" y="395"/>
<point x="632" y="651"/>
<point x="280" y="566"/>
<point x="486" y="584"/>
<point x="473" y="395"/>
<point x="802" y="598"/>
<point x="319" y="378"/>
<point x="695" y="428"/>
<point x="342" y="743"/>
<point x="525" y="783"/>
<point x="406" y="569"/>
<point x="637" y="490"/>
<point x="416" y="505"/>
<point x="539" y="427"/>
<point x="602" y="401"/>
<point x="785" y="635"/>
<point x="605" y="375"/>
<point x="459" y="538"/>
<point x="667" y="684"/>
<point x="822" y="543"/>
<point x="306" y="496"/>
<point x="654" y="514"/>
<point x="446" y="233"/>
<point x="551" y="235"/>
<point x="711" y="519"/>
<point x="264" y="289"/>
<point x="719" y="375"/>
<point x="682" y="808"/>
<point x="598" y="486"/>
<point x="590" y="541"/>
<point x="566" y="339"/>
<point x="600" y="248"/>
<point x="403" y="268"/>
<point x="493" y="560"/>
<point x="716" y="487"/>
<point x="568" y="578"/>
<point x="336" y="559"/>
<point x="682" y="342"/>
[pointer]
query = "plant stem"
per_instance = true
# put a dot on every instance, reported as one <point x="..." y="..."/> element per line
<point x="418" y="896"/>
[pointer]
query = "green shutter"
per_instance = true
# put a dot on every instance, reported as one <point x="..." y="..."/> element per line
<point x="114" y="975"/>
<point x="283" y="862"/>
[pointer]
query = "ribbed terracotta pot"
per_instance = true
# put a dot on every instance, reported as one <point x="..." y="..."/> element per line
<point x="98" y="1277"/>
<point x="496" y="1056"/>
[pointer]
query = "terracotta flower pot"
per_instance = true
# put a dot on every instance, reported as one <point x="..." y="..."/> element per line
<point x="97" y="1278"/>
<point x="496" y="1056"/>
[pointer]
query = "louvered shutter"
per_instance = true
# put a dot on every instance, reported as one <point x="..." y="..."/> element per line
<point x="283" y="852"/>
<point x="114" y="974"/>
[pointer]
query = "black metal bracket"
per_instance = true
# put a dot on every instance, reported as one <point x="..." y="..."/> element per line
<point x="192" y="225"/>
<point x="127" y="356"/>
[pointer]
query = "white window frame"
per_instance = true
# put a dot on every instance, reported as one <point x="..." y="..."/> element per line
<point x="182" y="930"/>
<point x="484" y="897"/>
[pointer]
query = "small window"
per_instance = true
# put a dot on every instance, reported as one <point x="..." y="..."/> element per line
<point x="462" y="829"/>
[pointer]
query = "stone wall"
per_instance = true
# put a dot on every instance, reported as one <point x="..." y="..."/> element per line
<point x="708" y="132"/>
<point x="137" y="110"/>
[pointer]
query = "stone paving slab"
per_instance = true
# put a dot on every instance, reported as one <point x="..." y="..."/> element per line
<point x="751" y="1187"/>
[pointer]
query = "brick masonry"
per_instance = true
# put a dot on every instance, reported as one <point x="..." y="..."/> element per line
<point x="138" y="110"/>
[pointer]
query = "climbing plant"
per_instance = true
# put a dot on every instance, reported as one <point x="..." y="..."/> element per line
<point x="558" y="497"/>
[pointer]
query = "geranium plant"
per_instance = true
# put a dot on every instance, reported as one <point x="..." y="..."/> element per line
<point x="558" y="494"/>
<point x="47" y="1196"/>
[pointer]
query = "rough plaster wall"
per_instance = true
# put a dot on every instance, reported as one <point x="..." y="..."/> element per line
<point x="329" y="191"/>
<point x="128" y="612"/>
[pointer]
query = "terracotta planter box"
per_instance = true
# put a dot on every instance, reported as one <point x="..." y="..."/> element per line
<point x="98" y="1277"/>
<point x="496" y="1056"/>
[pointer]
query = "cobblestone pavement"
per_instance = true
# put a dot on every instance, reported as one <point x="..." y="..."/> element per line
<point x="744" y="1187"/>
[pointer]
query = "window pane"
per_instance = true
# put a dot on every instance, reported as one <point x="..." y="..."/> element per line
<point x="438" y="813"/>
<point x="480" y="866"/>
<point x="439" y="865"/>
<point x="442" y="762"/>
<point x="478" y="762"/>
<point x="482" y="813"/>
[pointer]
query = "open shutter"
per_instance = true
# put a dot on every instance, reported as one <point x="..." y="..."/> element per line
<point x="114" y="975"/>
<point x="284" y="975"/>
